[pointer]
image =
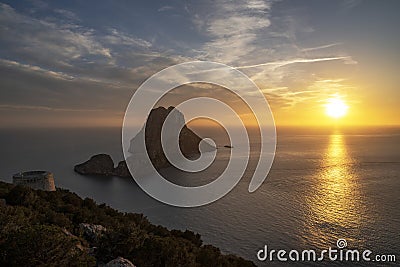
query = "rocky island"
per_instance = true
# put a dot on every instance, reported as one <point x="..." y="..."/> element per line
<point x="103" y="165"/>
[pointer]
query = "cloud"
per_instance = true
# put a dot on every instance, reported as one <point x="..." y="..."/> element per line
<point x="284" y="64"/>
<point x="232" y="27"/>
<point x="320" y="47"/>
<point x="350" y="4"/>
<point x="165" y="8"/>
<point x="28" y="85"/>
<point x="242" y="34"/>
<point x="56" y="62"/>
<point x="45" y="42"/>
<point x="119" y="38"/>
<point x="67" y="14"/>
<point x="65" y="50"/>
<point x="313" y="92"/>
<point x="278" y="64"/>
<point x="54" y="74"/>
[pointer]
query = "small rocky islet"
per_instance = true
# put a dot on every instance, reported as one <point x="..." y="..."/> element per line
<point x="102" y="165"/>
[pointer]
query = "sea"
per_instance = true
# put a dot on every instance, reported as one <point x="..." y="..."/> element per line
<point x="324" y="185"/>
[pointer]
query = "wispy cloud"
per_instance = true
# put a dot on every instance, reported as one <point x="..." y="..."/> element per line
<point x="278" y="64"/>
<point x="119" y="38"/>
<point x="54" y="74"/>
<point x="320" y="47"/>
<point x="165" y="8"/>
<point x="63" y="62"/>
<point x="67" y="14"/>
<point x="47" y="42"/>
<point x="243" y="34"/>
<point x="350" y="4"/>
<point x="233" y="27"/>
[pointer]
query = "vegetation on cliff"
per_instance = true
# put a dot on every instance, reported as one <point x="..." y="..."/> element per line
<point x="39" y="228"/>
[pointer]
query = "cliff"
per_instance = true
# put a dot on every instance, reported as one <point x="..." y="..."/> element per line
<point x="42" y="228"/>
<point x="102" y="164"/>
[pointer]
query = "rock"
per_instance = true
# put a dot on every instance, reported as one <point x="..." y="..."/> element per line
<point x="119" y="262"/>
<point x="122" y="170"/>
<point x="101" y="164"/>
<point x="92" y="232"/>
<point x="188" y="140"/>
<point x="78" y="242"/>
<point x="67" y="233"/>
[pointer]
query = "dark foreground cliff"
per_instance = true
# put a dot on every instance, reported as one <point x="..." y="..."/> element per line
<point x="39" y="228"/>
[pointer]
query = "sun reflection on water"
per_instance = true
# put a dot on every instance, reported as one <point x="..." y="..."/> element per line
<point x="335" y="205"/>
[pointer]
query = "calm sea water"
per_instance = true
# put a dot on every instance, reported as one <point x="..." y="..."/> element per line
<point x="325" y="186"/>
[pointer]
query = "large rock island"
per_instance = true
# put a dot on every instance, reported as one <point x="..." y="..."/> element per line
<point x="102" y="164"/>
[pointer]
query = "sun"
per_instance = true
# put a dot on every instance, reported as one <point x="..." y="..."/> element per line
<point x="336" y="108"/>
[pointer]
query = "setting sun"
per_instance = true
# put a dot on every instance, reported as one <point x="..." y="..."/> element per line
<point x="336" y="108"/>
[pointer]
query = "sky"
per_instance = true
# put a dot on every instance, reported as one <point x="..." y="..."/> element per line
<point x="78" y="63"/>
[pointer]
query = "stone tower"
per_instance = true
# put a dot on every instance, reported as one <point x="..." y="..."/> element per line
<point x="42" y="180"/>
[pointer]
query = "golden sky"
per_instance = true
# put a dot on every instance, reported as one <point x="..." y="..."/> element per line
<point x="69" y="65"/>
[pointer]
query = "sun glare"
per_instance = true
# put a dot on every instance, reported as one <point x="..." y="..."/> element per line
<point x="336" y="108"/>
